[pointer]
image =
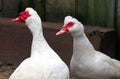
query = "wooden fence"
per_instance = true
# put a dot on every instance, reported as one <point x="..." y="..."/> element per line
<point x="105" y="13"/>
<point x="117" y="27"/>
<point x="94" y="12"/>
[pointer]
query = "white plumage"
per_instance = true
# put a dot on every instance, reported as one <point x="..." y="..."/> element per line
<point x="86" y="62"/>
<point x="43" y="63"/>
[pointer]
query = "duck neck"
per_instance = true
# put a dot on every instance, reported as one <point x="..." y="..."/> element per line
<point x="39" y="43"/>
<point x="82" y="47"/>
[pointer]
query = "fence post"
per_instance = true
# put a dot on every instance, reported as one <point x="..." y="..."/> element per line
<point x="23" y="5"/>
<point x="56" y="10"/>
<point x="91" y="11"/>
<point x="100" y="11"/>
<point x="39" y="5"/>
<point x="110" y="13"/>
<point x="9" y="8"/>
<point x="81" y="10"/>
<point x="117" y="25"/>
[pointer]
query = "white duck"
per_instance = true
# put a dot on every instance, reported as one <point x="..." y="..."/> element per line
<point x="43" y="63"/>
<point x="86" y="62"/>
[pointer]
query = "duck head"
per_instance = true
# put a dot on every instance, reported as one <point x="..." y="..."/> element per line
<point x="31" y="18"/>
<point x="71" y="25"/>
<point x="23" y="16"/>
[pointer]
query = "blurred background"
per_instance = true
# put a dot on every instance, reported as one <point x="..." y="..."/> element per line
<point x="100" y="17"/>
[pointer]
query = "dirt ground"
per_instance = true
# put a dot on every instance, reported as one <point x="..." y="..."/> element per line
<point x="6" y="69"/>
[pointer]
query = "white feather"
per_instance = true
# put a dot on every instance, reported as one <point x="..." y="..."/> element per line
<point x="43" y="63"/>
<point x="86" y="62"/>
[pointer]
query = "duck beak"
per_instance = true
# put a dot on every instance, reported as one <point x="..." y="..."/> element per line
<point x="15" y="20"/>
<point x="62" y="31"/>
<point x="65" y="28"/>
<point x="22" y="17"/>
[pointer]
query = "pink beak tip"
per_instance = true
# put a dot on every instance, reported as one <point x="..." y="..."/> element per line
<point x="57" y="33"/>
<point x="15" y="20"/>
<point x="61" y="32"/>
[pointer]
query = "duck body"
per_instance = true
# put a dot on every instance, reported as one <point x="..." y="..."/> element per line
<point x="43" y="63"/>
<point x="86" y="62"/>
<point x="32" y="69"/>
